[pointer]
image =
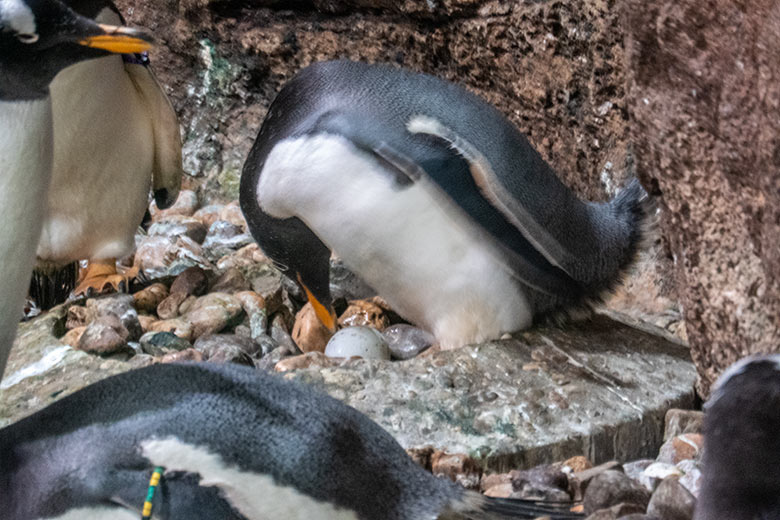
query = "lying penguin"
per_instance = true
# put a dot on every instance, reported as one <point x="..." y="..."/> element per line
<point x="230" y="443"/>
<point x="741" y="474"/>
<point x="433" y="198"/>
<point x="109" y="147"/>
<point x="38" y="38"/>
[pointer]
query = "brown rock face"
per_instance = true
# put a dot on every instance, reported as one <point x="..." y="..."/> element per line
<point x="554" y="68"/>
<point x="704" y="94"/>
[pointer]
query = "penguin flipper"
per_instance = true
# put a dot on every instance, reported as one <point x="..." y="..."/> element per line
<point x="521" y="258"/>
<point x="167" y="169"/>
<point x="495" y="192"/>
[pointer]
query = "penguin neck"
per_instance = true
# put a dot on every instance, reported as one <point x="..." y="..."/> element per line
<point x="26" y="149"/>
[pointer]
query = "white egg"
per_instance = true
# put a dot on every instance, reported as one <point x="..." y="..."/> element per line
<point x="358" y="341"/>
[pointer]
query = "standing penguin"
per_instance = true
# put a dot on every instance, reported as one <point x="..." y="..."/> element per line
<point x="231" y="443"/>
<point x="115" y="134"/>
<point x="38" y="38"/>
<point x="741" y="472"/>
<point x="433" y="198"/>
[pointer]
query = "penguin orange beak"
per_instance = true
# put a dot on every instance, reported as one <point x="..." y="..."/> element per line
<point x="325" y="313"/>
<point x="119" y="40"/>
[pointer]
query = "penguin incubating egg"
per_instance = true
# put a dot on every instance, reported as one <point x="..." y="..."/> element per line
<point x="110" y="145"/>
<point x="38" y="38"/>
<point x="233" y="443"/>
<point x="741" y="479"/>
<point x="432" y="197"/>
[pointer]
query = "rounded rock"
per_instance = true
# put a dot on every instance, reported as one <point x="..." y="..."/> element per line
<point x="363" y="342"/>
<point x="407" y="341"/>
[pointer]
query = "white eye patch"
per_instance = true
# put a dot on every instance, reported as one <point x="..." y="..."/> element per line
<point x="18" y="16"/>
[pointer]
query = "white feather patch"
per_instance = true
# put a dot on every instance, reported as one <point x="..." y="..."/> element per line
<point x="256" y="496"/>
<point x="19" y="16"/>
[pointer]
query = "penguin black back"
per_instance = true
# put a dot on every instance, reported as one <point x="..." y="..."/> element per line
<point x="261" y="445"/>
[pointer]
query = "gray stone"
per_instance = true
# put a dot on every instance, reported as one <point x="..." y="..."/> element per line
<point x="159" y="256"/>
<point x="179" y="225"/>
<point x="364" y="342"/>
<point x="346" y="284"/>
<point x="407" y="341"/>
<point x="656" y="472"/>
<point x="612" y="488"/>
<point x="121" y="306"/>
<point x="227" y="348"/>
<point x="604" y="392"/>
<point x="162" y="343"/>
<point x="266" y="280"/>
<point x="224" y="237"/>
<point x="192" y="281"/>
<point x="104" y="336"/>
<point x="635" y="468"/>
<point x="691" y="478"/>
<point x="280" y="334"/>
<point x="546" y="482"/>
<point x="213" y="313"/>
<point x="254" y="307"/>
<point x="671" y="501"/>
<point x="231" y="281"/>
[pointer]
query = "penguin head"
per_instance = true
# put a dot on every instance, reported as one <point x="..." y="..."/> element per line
<point x="299" y="254"/>
<point x="38" y="38"/>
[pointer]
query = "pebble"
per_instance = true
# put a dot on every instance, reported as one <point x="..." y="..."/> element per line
<point x="457" y="467"/>
<point x="346" y="284"/>
<point x="406" y="341"/>
<point x="179" y="225"/>
<point x="73" y="336"/>
<point x="185" y="204"/>
<point x="189" y="354"/>
<point x="231" y="212"/>
<point x="159" y="256"/>
<point x="231" y="281"/>
<point x="691" y="478"/>
<point x="162" y="343"/>
<point x="209" y="214"/>
<point x="246" y="257"/>
<point x="671" y="501"/>
<point x="308" y="332"/>
<point x="310" y="359"/>
<point x="78" y="316"/>
<point x="169" y="307"/>
<point x="104" y="336"/>
<point x="148" y="298"/>
<point x="635" y="468"/>
<point x="547" y="482"/>
<point x="146" y="321"/>
<point x="178" y="326"/>
<point x="678" y="422"/>
<point x="655" y="473"/>
<point x="186" y="305"/>
<point x="619" y="512"/>
<point x="254" y="307"/>
<point x="364" y="313"/>
<point x="227" y="348"/>
<point x="577" y="464"/>
<point x="225" y="235"/>
<point x="191" y="281"/>
<point x="121" y="306"/>
<point x="681" y="447"/>
<point x="266" y="281"/>
<point x="281" y="336"/>
<point x="364" y="342"/>
<point x="612" y="488"/>
<point x="213" y="313"/>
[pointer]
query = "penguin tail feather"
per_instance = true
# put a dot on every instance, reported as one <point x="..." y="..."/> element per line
<point x="474" y="506"/>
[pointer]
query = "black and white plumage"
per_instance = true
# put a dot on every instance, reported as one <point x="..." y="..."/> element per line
<point x="431" y="196"/>
<point x="235" y="444"/>
<point x="741" y="472"/>
<point x="38" y="38"/>
<point x="109" y="148"/>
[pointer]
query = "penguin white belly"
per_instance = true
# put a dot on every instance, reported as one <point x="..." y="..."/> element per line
<point x="26" y="151"/>
<point x="409" y="243"/>
<point x="103" y="157"/>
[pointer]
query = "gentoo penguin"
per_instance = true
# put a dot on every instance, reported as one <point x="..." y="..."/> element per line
<point x="232" y="443"/>
<point x="432" y="197"/>
<point x="38" y="38"/>
<point x="741" y="473"/>
<point x="109" y="147"/>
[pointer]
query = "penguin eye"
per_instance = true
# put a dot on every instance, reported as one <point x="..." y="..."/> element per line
<point x="27" y="37"/>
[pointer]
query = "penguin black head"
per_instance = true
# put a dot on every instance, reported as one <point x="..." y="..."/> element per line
<point x="742" y="447"/>
<point x="38" y="38"/>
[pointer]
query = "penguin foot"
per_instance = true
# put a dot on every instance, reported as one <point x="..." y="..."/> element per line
<point x="101" y="276"/>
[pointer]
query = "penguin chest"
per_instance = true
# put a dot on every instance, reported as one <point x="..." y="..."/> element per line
<point x="103" y="157"/>
<point x="424" y="256"/>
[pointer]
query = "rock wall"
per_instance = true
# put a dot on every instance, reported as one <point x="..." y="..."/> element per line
<point x="704" y="95"/>
<point x="555" y="68"/>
